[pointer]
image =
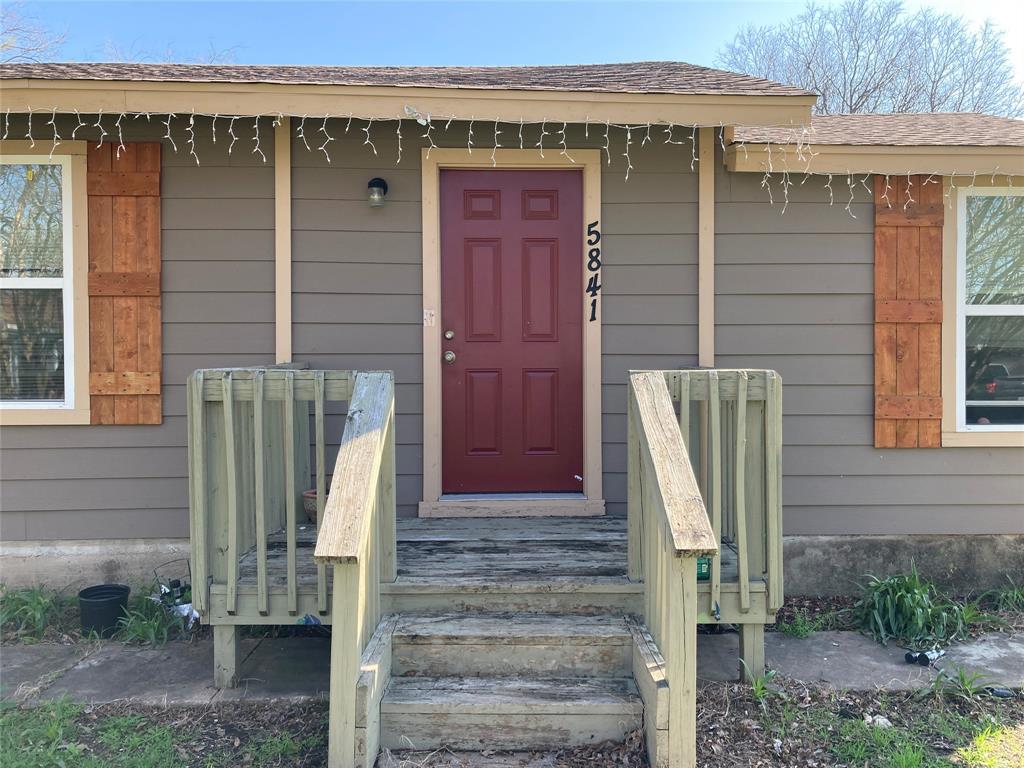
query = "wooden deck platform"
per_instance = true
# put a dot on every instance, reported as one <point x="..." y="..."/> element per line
<point x="481" y="550"/>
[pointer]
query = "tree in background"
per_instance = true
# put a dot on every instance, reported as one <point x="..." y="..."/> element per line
<point x="23" y="38"/>
<point x="875" y="56"/>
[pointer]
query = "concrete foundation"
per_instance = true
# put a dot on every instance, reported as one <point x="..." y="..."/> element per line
<point x="837" y="565"/>
<point x="814" y="565"/>
<point x="77" y="564"/>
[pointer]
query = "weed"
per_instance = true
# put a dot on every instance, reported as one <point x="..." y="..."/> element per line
<point x="960" y="684"/>
<point x="907" y="756"/>
<point x="760" y="685"/>
<point x="1009" y="599"/>
<point x="801" y="626"/>
<point x="148" y="622"/>
<point x="908" y="609"/>
<point x="30" y="611"/>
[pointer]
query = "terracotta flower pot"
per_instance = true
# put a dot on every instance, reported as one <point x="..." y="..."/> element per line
<point x="309" y="504"/>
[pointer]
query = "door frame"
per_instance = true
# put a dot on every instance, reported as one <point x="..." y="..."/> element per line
<point x="433" y="505"/>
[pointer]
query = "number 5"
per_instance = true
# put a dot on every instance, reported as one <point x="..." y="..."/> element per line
<point x="592" y="232"/>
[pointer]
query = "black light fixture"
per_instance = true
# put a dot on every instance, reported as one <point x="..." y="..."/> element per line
<point x="378" y="188"/>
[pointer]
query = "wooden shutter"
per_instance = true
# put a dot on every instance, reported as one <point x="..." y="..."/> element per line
<point x="908" y="312"/>
<point x="124" y="284"/>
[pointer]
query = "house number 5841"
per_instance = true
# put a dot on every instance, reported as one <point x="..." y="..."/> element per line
<point x="593" y="266"/>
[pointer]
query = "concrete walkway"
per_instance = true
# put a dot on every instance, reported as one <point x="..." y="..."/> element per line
<point x="296" y="669"/>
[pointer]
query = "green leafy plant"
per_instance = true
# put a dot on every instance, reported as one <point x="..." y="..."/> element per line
<point x="148" y="622"/>
<point x="800" y="626"/>
<point x="29" y="611"/>
<point x="908" y="609"/>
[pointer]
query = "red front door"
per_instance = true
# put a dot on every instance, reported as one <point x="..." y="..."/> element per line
<point x="512" y="303"/>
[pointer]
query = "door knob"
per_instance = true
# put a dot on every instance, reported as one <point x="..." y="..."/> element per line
<point x="449" y="357"/>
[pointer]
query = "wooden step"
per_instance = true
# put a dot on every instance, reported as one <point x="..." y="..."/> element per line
<point x="531" y="644"/>
<point x="555" y="594"/>
<point x="514" y="713"/>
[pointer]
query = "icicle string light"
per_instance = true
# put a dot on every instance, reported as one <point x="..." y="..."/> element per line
<point x="800" y="146"/>
<point x="328" y="138"/>
<point x="368" y="142"/>
<point x="191" y="131"/>
<point x="256" y="150"/>
<point x="167" y="133"/>
<point x="56" y="133"/>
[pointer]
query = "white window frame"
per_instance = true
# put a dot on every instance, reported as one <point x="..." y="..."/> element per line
<point x="64" y="283"/>
<point x="965" y="310"/>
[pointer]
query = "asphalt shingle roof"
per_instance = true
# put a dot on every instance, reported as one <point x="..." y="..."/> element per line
<point x="664" y="77"/>
<point x="940" y="129"/>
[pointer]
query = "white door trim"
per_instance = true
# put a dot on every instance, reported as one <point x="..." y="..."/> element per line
<point x="587" y="160"/>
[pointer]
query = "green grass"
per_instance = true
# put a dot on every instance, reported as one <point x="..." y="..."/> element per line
<point x="944" y="733"/>
<point x="62" y="734"/>
<point x="43" y="737"/>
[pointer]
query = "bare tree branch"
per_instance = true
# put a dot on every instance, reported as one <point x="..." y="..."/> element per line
<point x="874" y="56"/>
<point x="23" y="38"/>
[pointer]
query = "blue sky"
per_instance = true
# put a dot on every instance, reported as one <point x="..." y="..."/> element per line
<point x="480" y="33"/>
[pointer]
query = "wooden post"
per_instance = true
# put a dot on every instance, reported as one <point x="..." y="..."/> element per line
<point x="739" y="493"/>
<point x="260" y="469"/>
<point x="200" y="544"/>
<point x="714" y="456"/>
<point x="634" y="503"/>
<point x="751" y="651"/>
<point x="225" y="655"/>
<point x="230" y="466"/>
<point x="321" y="484"/>
<point x="681" y="659"/>
<point x="341" y="744"/>
<point x="773" y="490"/>
<point x="289" y="484"/>
<point x="389" y="510"/>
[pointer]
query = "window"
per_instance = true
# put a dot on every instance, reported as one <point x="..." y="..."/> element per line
<point x="36" y="302"/>
<point x="990" y="310"/>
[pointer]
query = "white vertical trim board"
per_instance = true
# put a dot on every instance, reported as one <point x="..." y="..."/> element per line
<point x="706" y="248"/>
<point x="283" y="241"/>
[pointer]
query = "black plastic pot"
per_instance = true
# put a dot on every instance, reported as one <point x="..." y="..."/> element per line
<point x="102" y="607"/>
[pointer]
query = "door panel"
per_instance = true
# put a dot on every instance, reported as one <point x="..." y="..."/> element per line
<point x="511" y="293"/>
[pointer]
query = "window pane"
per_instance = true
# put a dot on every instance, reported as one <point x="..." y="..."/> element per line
<point x="995" y="370"/>
<point x="31" y="221"/>
<point x="995" y="250"/>
<point x="31" y="344"/>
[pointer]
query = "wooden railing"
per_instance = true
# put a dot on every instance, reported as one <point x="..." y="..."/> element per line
<point x="249" y="462"/>
<point x="358" y="537"/>
<point x="731" y="422"/>
<point x="668" y="530"/>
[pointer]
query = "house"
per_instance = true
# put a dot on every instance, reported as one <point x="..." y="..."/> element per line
<point x="210" y="246"/>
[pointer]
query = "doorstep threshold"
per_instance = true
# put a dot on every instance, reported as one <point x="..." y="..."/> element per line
<point x="512" y="505"/>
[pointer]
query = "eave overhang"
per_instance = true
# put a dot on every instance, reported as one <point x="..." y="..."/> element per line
<point x="842" y="159"/>
<point x="389" y="103"/>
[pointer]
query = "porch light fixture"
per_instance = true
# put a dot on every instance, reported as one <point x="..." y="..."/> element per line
<point x="378" y="188"/>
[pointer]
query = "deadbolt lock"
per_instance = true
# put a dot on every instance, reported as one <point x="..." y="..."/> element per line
<point x="449" y="335"/>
